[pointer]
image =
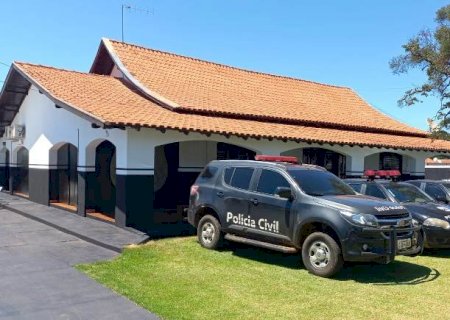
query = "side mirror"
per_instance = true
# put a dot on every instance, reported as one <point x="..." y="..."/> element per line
<point x="284" y="192"/>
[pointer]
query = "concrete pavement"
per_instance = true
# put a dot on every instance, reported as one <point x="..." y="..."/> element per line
<point x="38" y="281"/>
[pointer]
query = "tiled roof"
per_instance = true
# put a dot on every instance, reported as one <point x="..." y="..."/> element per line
<point x="112" y="102"/>
<point x="205" y="87"/>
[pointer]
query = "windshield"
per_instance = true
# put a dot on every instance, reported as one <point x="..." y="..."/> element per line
<point x="446" y="185"/>
<point x="320" y="183"/>
<point x="407" y="193"/>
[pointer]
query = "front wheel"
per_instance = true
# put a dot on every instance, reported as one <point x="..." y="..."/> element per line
<point x="321" y="255"/>
<point x="209" y="232"/>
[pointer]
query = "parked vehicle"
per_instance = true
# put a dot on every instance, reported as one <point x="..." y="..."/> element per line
<point x="278" y="204"/>
<point x="434" y="217"/>
<point x="438" y="190"/>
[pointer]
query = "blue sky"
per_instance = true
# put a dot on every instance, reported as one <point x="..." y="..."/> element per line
<point x="344" y="42"/>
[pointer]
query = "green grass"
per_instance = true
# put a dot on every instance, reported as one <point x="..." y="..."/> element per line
<point x="177" y="279"/>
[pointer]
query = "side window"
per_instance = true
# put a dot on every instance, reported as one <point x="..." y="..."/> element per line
<point x="434" y="191"/>
<point x="208" y="172"/>
<point x="356" y="186"/>
<point x="227" y="175"/>
<point x="374" y="191"/>
<point x="270" y="180"/>
<point x="238" y="177"/>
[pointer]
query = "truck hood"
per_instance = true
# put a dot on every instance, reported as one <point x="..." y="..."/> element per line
<point x="422" y="211"/>
<point x="363" y="204"/>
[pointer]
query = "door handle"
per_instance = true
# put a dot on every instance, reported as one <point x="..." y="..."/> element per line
<point x="255" y="201"/>
<point x="220" y="194"/>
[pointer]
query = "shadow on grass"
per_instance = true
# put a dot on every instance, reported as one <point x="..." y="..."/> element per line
<point x="171" y="230"/>
<point x="395" y="273"/>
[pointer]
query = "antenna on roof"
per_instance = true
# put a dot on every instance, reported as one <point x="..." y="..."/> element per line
<point x="130" y="8"/>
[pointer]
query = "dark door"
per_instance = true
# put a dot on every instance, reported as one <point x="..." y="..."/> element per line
<point x="232" y="198"/>
<point x="105" y="166"/>
<point x="4" y="178"/>
<point x="22" y="171"/>
<point x="67" y="174"/>
<point x="271" y="213"/>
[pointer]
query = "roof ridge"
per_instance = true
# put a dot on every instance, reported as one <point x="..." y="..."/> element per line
<point x="60" y="69"/>
<point x="228" y="66"/>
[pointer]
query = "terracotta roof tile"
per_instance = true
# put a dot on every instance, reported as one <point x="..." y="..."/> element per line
<point x="209" y="87"/>
<point x="114" y="103"/>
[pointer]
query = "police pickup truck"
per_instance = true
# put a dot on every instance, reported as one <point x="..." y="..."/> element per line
<point x="433" y="216"/>
<point x="278" y="204"/>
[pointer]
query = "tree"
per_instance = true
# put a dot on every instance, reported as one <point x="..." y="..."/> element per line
<point x="429" y="51"/>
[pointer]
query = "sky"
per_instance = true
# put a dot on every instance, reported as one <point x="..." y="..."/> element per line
<point x="346" y="42"/>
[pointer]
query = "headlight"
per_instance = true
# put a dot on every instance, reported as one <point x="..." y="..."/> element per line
<point x="415" y="223"/>
<point x="438" y="223"/>
<point x="361" y="218"/>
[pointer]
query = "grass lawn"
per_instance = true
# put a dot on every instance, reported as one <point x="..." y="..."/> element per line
<point x="177" y="279"/>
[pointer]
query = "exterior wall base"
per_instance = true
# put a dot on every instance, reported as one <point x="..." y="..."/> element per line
<point x="134" y="201"/>
<point x="39" y="185"/>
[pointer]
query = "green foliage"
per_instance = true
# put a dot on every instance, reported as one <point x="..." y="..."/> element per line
<point x="430" y="52"/>
<point x="178" y="279"/>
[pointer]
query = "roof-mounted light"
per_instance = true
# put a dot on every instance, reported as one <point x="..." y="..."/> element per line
<point x="383" y="174"/>
<point x="288" y="159"/>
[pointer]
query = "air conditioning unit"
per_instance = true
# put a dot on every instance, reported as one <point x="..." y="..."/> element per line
<point x="15" y="132"/>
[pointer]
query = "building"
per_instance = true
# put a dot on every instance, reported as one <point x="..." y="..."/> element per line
<point x="125" y="141"/>
<point x="437" y="169"/>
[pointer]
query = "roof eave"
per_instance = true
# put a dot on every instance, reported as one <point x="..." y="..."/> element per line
<point x="77" y="111"/>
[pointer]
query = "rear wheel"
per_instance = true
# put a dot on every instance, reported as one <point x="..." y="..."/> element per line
<point x="209" y="232"/>
<point x="321" y="255"/>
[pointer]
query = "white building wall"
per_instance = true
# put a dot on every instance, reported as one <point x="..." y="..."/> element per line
<point x="46" y="125"/>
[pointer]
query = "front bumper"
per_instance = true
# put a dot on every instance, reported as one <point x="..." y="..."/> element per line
<point x="380" y="244"/>
<point x="436" y="238"/>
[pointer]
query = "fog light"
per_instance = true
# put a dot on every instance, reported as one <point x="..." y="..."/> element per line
<point x="365" y="247"/>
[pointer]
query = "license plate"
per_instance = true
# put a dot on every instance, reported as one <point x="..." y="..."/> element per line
<point x="403" y="244"/>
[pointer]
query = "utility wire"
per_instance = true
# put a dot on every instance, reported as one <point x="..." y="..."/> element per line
<point x="4" y="64"/>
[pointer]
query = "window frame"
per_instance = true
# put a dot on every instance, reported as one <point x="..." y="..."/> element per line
<point x="380" y="188"/>
<point x="281" y="173"/>
<point x="234" y="167"/>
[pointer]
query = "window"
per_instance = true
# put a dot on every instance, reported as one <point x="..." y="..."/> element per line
<point x="356" y="186"/>
<point x="435" y="191"/>
<point x="227" y="175"/>
<point x="404" y="193"/>
<point x="320" y="183"/>
<point x="270" y="180"/>
<point x="208" y="172"/>
<point x="238" y="177"/>
<point x="374" y="191"/>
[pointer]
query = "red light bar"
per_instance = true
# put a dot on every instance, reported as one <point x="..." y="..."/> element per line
<point x="264" y="157"/>
<point x="382" y="173"/>
<point x="393" y="173"/>
<point x="370" y="173"/>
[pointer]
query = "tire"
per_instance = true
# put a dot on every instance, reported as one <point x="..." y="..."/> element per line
<point x="209" y="232"/>
<point x="321" y="255"/>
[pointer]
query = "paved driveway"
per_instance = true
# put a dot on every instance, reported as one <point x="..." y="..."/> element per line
<point x="37" y="280"/>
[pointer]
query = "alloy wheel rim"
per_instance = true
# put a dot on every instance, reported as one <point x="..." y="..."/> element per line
<point x="208" y="232"/>
<point x="319" y="254"/>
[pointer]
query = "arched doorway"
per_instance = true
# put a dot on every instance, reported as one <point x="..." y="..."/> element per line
<point x="4" y="169"/>
<point x="330" y="160"/>
<point x="103" y="190"/>
<point x="64" y="176"/>
<point x="20" y="183"/>
<point x="178" y="164"/>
